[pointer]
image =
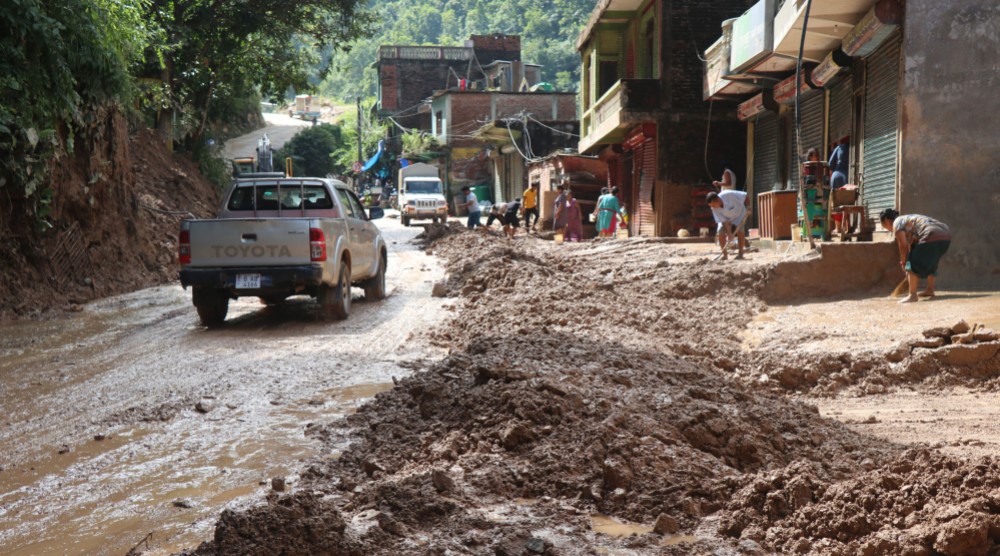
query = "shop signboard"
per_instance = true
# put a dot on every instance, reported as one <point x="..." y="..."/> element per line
<point x="875" y="27"/>
<point x="784" y="91"/>
<point x="829" y="68"/>
<point x="749" y="109"/>
<point x="753" y="36"/>
<point x="638" y="136"/>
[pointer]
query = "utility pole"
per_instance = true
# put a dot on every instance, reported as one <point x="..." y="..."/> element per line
<point x="359" y="129"/>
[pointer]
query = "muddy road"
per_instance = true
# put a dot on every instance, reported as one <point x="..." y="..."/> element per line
<point x="129" y="421"/>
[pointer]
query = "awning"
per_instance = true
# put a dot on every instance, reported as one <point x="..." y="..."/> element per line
<point x="374" y="159"/>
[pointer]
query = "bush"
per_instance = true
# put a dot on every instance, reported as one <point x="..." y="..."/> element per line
<point x="311" y="151"/>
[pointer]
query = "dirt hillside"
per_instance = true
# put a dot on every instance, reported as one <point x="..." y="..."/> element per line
<point x="117" y="200"/>
<point x="608" y="379"/>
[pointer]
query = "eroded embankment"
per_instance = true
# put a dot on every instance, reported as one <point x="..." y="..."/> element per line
<point x="600" y="379"/>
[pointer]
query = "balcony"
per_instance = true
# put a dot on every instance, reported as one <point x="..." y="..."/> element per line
<point x="627" y="103"/>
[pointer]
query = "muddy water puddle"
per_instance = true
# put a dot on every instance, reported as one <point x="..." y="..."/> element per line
<point x="169" y="483"/>
<point x="616" y="528"/>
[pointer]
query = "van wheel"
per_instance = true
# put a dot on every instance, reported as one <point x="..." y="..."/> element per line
<point x="375" y="286"/>
<point x="212" y="305"/>
<point x="335" y="301"/>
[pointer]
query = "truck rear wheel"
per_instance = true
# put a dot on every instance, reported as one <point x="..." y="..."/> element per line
<point x="375" y="286"/>
<point x="212" y="305"/>
<point x="335" y="301"/>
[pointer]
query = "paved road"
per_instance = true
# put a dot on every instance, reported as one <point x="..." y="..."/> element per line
<point x="131" y="419"/>
<point x="280" y="128"/>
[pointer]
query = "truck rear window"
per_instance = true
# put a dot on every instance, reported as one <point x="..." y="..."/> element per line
<point x="268" y="197"/>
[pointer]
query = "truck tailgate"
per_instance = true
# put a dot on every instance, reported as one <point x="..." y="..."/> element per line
<point x="250" y="242"/>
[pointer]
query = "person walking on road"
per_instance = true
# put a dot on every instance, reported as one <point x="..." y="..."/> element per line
<point x="472" y="204"/>
<point x="922" y="241"/>
<point x="730" y="209"/>
<point x="839" y="164"/>
<point x="510" y="218"/>
<point x="530" y="205"/>
<point x="559" y="210"/>
<point x="607" y="213"/>
<point x="574" y="224"/>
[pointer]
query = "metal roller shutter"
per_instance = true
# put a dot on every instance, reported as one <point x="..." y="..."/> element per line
<point x="647" y="219"/>
<point x="812" y="134"/>
<point x="765" y="157"/>
<point x="841" y="96"/>
<point x="881" y="108"/>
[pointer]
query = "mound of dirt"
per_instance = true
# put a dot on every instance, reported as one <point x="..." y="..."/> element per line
<point x="117" y="201"/>
<point x="582" y="380"/>
<point x="919" y="503"/>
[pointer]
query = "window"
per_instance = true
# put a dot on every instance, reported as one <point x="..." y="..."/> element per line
<point x="359" y="210"/>
<point x="292" y="197"/>
<point x="345" y="200"/>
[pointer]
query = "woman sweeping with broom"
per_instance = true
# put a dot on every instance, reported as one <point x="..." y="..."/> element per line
<point x="922" y="241"/>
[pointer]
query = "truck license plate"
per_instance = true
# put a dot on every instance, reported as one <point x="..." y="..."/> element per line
<point x="248" y="281"/>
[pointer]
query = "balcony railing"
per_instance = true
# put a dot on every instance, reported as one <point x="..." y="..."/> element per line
<point x="424" y="53"/>
<point x="628" y="102"/>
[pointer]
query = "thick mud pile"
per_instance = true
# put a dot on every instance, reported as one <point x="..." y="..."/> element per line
<point x="604" y="380"/>
<point x="919" y="503"/>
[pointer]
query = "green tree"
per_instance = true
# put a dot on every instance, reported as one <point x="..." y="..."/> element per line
<point x="211" y="50"/>
<point x="58" y="62"/>
<point x="312" y="151"/>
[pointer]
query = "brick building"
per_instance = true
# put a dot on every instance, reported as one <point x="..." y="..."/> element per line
<point x="485" y="133"/>
<point x="409" y="75"/>
<point x="643" y="107"/>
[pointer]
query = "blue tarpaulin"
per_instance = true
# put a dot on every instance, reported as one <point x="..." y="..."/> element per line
<point x="371" y="161"/>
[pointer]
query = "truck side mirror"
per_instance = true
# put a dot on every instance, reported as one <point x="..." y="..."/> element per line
<point x="375" y="213"/>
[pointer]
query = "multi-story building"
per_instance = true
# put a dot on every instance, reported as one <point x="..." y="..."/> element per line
<point x="643" y="109"/>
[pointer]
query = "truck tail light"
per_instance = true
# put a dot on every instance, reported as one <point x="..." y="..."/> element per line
<point x="184" y="246"/>
<point x="317" y="245"/>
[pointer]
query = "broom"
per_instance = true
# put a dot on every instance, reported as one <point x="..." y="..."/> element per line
<point x="902" y="287"/>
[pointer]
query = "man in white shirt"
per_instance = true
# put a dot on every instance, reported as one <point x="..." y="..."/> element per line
<point x="472" y="204"/>
<point x="730" y="209"/>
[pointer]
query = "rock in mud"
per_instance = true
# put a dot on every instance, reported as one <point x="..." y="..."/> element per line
<point x="964" y="355"/>
<point x="204" y="405"/>
<point x="617" y="474"/>
<point x="961" y="328"/>
<point x="943" y="331"/>
<point x="278" y="484"/>
<point x="370" y="466"/>
<point x="442" y="482"/>
<point x="666" y="525"/>
<point x="185" y="503"/>
<point x="901" y="352"/>
<point x="929" y="343"/>
<point x="516" y="435"/>
<point x="440" y="289"/>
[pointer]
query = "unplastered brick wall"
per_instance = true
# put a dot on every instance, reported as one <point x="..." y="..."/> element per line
<point x="490" y="48"/>
<point x="688" y="29"/>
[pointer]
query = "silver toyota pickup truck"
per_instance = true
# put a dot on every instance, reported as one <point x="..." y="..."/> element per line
<point x="279" y="237"/>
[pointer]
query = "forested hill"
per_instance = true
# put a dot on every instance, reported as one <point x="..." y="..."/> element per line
<point x="548" y="30"/>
